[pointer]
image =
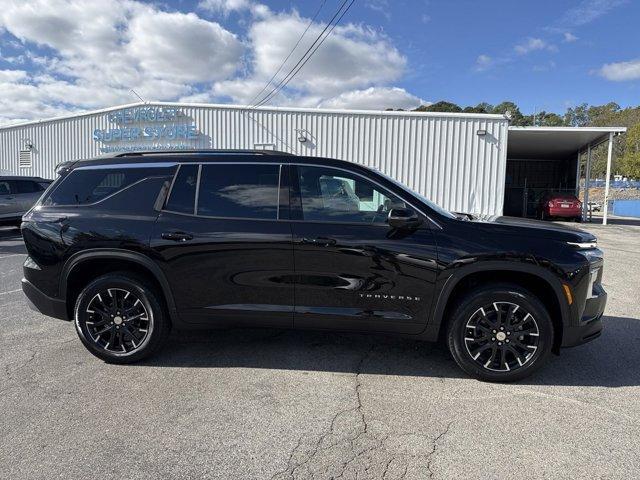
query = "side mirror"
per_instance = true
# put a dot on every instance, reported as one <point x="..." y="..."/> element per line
<point x="403" y="218"/>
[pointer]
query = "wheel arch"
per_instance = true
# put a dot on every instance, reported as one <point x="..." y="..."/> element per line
<point x="539" y="281"/>
<point x="93" y="262"/>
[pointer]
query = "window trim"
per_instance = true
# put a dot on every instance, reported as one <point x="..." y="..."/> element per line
<point x="298" y="196"/>
<point x="195" y="203"/>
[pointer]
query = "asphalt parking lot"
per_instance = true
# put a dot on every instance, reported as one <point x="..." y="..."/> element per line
<point x="282" y="404"/>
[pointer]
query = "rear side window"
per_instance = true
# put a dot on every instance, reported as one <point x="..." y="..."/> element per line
<point x="5" y="188"/>
<point x="183" y="191"/>
<point x="239" y="191"/>
<point x="85" y="186"/>
<point x="28" y="186"/>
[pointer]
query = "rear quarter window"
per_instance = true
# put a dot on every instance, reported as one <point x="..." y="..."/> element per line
<point x="90" y="185"/>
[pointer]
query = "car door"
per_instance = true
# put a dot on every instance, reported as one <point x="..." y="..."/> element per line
<point x="224" y="242"/>
<point x="353" y="271"/>
<point x="8" y="203"/>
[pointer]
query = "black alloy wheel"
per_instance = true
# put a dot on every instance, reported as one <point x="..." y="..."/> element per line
<point x="500" y="333"/>
<point x="119" y="318"/>
<point x="117" y="321"/>
<point x="501" y="336"/>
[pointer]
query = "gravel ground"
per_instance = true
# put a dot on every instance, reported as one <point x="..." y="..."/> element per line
<point x="282" y="404"/>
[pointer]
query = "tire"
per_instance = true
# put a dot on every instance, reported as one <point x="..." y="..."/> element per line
<point x="101" y="321"/>
<point x="476" y="340"/>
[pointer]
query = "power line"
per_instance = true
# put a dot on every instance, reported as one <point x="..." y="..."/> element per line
<point x="309" y="53"/>
<point x="290" y="53"/>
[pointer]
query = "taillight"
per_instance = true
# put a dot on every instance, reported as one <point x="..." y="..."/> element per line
<point x="551" y="204"/>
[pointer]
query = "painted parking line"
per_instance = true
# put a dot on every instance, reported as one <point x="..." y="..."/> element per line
<point x="13" y="255"/>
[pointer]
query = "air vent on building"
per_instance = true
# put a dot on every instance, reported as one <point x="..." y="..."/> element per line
<point x="25" y="160"/>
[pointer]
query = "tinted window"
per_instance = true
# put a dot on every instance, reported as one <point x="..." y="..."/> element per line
<point x="5" y="188"/>
<point x="183" y="192"/>
<point x="84" y="186"/>
<point x="337" y="196"/>
<point x="244" y="191"/>
<point x="27" y="186"/>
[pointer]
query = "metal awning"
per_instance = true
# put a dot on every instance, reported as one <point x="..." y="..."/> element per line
<point x="563" y="143"/>
<point x="555" y="142"/>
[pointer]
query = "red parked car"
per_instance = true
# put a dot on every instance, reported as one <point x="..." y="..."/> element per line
<point x="560" y="205"/>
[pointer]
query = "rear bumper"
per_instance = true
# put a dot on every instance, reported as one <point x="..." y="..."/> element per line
<point x="591" y="324"/>
<point x="38" y="301"/>
<point x="565" y="212"/>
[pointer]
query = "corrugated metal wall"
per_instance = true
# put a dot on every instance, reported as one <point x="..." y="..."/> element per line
<point x="440" y="156"/>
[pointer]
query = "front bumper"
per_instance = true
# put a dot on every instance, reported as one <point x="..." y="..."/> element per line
<point x="590" y="325"/>
<point x="38" y="301"/>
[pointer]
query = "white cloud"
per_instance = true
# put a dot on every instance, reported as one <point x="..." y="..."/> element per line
<point x="588" y="11"/>
<point x="374" y="98"/>
<point x="183" y="47"/>
<point x="621" y="71"/>
<point x="483" y="62"/>
<point x="533" y="44"/>
<point x="94" y="56"/>
<point x="569" y="37"/>
<point x="380" y="6"/>
<point x="353" y="56"/>
<point x="227" y="6"/>
<point x="99" y="54"/>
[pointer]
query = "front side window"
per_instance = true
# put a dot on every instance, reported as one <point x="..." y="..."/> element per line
<point x="84" y="186"/>
<point x="239" y="191"/>
<point x="333" y="195"/>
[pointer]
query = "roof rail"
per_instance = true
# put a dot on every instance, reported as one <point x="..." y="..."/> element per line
<point x="205" y="151"/>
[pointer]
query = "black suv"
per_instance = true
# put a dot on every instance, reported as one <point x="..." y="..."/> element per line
<point x="130" y="245"/>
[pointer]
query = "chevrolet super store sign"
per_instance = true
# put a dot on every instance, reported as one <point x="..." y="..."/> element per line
<point x="147" y="128"/>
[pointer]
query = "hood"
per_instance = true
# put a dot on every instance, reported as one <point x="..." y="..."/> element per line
<point x="534" y="228"/>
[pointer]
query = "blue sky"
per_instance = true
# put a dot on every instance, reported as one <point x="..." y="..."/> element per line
<point x="59" y="56"/>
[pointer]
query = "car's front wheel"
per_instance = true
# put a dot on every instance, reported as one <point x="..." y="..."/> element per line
<point x="500" y="333"/>
<point x="120" y="318"/>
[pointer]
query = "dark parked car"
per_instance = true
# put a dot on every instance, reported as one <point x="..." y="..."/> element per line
<point x="560" y="205"/>
<point x="18" y="195"/>
<point x="131" y="245"/>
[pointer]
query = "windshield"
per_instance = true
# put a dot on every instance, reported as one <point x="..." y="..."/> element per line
<point x="433" y="206"/>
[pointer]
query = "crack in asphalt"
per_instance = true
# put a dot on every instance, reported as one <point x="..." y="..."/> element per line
<point x="349" y="447"/>
<point x="434" y="448"/>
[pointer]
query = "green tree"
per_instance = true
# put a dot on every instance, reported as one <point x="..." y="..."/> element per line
<point x="517" y="118"/>
<point x="480" y="108"/>
<point x="630" y="162"/>
<point x="577" y="116"/>
<point x="548" y="119"/>
<point x="441" y="106"/>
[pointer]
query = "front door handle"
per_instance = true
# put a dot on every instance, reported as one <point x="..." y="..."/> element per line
<point x="177" y="236"/>
<point x="320" y="241"/>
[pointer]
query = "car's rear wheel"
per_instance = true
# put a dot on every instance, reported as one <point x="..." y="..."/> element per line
<point x="120" y="318"/>
<point x="500" y="333"/>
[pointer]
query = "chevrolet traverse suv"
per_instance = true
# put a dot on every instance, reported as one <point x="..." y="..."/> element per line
<point x="131" y="245"/>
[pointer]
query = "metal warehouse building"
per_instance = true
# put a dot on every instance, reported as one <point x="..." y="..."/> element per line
<point x="471" y="163"/>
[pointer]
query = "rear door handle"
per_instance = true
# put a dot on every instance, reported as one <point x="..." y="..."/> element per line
<point x="177" y="236"/>
<point x="320" y="241"/>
